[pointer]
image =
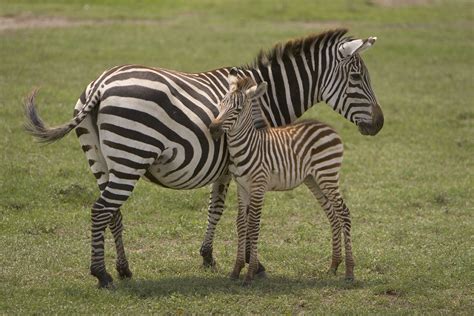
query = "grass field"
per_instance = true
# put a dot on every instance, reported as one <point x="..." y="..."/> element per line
<point x="410" y="189"/>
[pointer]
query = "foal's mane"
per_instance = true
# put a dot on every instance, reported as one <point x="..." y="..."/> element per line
<point x="293" y="47"/>
<point x="258" y="118"/>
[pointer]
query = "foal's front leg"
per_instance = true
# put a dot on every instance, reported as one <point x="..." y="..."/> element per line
<point x="253" y="230"/>
<point x="241" y="223"/>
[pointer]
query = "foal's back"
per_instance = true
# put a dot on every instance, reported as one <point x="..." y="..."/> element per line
<point x="306" y="148"/>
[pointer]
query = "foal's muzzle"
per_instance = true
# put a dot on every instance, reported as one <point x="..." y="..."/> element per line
<point x="215" y="128"/>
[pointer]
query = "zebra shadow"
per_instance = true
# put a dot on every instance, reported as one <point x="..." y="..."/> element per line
<point x="205" y="285"/>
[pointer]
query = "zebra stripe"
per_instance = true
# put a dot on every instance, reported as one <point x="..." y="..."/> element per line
<point x="135" y="121"/>
<point x="274" y="159"/>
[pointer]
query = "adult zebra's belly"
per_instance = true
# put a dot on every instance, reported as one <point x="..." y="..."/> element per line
<point x="180" y="168"/>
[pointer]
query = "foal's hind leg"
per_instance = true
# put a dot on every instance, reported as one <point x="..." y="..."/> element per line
<point x="333" y="221"/>
<point x="331" y="191"/>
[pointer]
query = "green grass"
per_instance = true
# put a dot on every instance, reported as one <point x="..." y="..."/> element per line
<point x="410" y="188"/>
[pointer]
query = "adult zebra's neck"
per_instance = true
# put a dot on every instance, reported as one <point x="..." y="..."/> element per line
<point x="296" y="73"/>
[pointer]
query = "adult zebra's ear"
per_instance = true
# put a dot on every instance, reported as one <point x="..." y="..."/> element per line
<point x="257" y="91"/>
<point x="234" y="71"/>
<point x="356" y="46"/>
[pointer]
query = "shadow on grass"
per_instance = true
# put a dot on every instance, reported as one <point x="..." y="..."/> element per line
<point x="205" y="285"/>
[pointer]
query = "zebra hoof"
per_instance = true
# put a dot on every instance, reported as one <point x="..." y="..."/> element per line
<point x="210" y="265"/>
<point x="124" y="272"/>
<point x="234" y="276"/>
<point x="208" y="261"/>
<point x="105" y="281"/>
<point x="332" y="271"/>
<point x="261" y="275"/>
<point x="247" y="282"/>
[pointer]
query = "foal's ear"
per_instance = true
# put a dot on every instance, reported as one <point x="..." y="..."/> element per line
<point x="232" y="78"/>
<point x="356" y="46"/>
<point x="257" y="91"/>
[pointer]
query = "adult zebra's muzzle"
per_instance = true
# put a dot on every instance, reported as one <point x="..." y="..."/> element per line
<point x="372" y="127"/>
<point x="215" y="128"/>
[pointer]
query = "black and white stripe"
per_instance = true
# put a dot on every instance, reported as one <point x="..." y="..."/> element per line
<point x="274" y="159"/>
<point x="135" y="121"/>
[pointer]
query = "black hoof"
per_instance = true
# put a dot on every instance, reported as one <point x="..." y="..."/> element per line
<point x="261" y="275"/>
<point x="332" y="271"/>
<point x="208" y="261"/>
<point x="260" y="269"/>
<point x="247" y="283"/>
<point x="234" y="277"/>
<point x="209" y="264"/>
<point x="105" y="280"/>
<point x="349" y="279"/>
<point x="124" y="272"/>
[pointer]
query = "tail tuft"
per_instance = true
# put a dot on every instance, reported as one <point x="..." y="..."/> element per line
<point x="36" y="127"/>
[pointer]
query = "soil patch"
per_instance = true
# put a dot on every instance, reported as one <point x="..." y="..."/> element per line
<point x="18" y="22"/>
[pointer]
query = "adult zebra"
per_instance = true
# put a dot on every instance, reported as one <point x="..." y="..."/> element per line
<point x="135" y="121"/>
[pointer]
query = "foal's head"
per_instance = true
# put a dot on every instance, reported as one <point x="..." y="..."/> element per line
<point x="242" y="91"/>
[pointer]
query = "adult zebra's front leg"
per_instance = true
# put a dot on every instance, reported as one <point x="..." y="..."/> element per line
<point x="214" y="213"/>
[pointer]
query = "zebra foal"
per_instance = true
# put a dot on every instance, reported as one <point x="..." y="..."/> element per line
<point x="275" y="159"/>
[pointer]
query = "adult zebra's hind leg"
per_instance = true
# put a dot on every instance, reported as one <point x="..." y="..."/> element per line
<point x="121" y="264"/>
<point x="106" y="212"/>
<point x="215" y="209"/>
<point x="123" y="176"/>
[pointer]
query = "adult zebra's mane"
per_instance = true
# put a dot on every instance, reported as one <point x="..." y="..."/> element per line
<point x="292" y="48"/>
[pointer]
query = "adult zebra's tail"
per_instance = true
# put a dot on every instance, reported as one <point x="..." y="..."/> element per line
<point x="36" y="127"/>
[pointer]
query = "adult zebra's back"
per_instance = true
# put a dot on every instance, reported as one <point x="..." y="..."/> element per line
<point x="135" y="121"/>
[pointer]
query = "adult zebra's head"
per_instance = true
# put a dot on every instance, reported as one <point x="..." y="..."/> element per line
<point x="347" y="88"/>
<point x="240" y="95"/>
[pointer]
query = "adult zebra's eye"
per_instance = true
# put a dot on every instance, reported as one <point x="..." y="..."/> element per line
<point x="355" y="75"/>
